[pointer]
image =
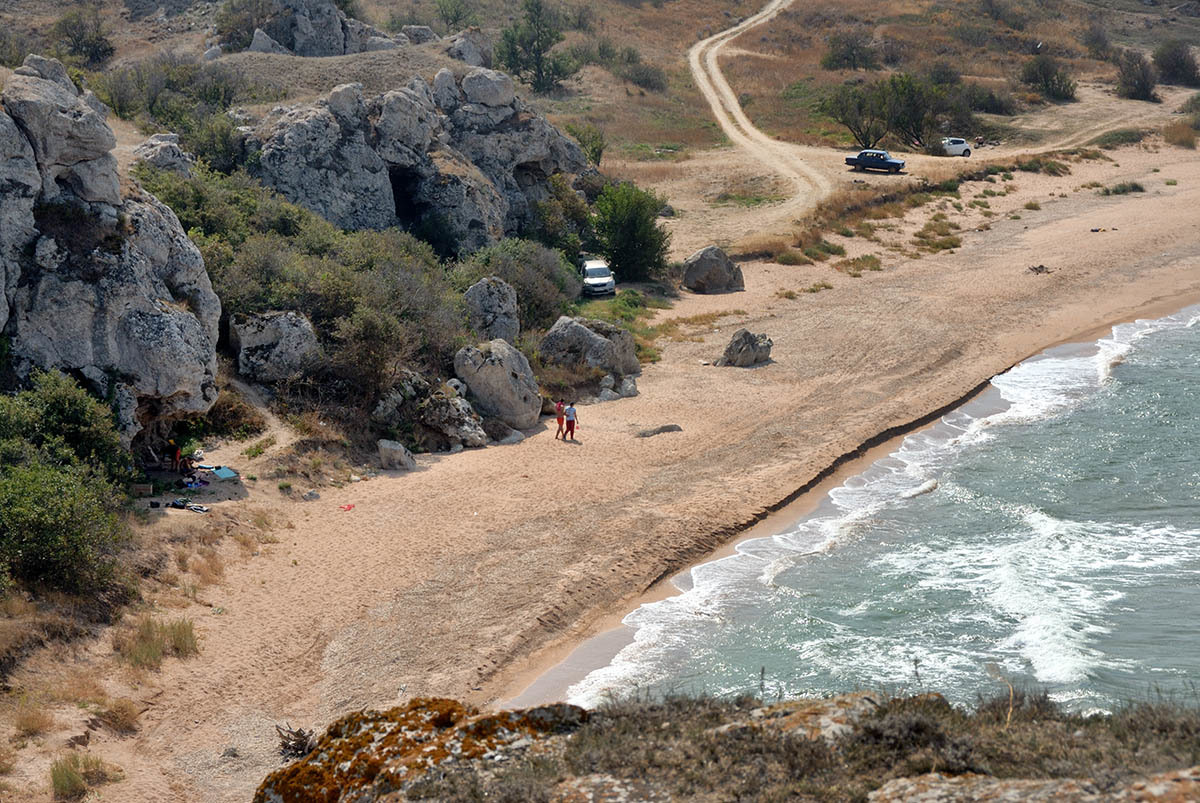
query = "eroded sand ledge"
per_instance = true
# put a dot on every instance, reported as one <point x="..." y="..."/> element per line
<point x="452" y="579"/>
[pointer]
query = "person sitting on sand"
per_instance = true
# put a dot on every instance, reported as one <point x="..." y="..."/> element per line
<point x="572" y="421"/>
<point x="558" y="413"/>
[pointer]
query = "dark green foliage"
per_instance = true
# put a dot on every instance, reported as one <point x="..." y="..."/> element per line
<point x="646" y="76"/>
<point x="1095" y="39"/>
<point x="628" y="232"/>
<point x="1048" y="77"/>
<point x="82" y="35"/>
<point x="861" y="110"/>
<point x="1136" y="77"/>
<point x="14" y="47"/>
<point x="1003" y="12"/>
<point x="590" y="138"/>
<point x="910" y="106"/>
<point x="545" y="282"/>
<point x="525" y="46"/>
<point x="941" y="73"/>
<point x="237" y="20"/>
<point x="625" y="63"/>
<point x="562" y="221"/>
<point x="1118" y="137"/>
<point x="989" y="101"/>
<point x="186" y="97"/>
<point x="850" y="50"/>
<point x="454" y="14"/>
<point x="378" y="300"/>
<point x="1175" y="63"/>
<point x="60" y="462"/>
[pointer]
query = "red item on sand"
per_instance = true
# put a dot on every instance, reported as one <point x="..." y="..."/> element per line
<point x="347" y="507"/>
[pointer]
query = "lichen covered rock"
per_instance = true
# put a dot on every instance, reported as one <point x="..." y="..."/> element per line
<point x="272" y="346"/>
<point x="492" y="309"/>
<point x="577" y="342"/>
<point x="710" y="270"/>
<point x="746" y="349"/>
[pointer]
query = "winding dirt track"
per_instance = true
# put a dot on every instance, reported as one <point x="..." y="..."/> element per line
<point x="780" y="157"/>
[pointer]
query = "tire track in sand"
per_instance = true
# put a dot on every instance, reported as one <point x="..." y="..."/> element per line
<point x="781" y="158"/>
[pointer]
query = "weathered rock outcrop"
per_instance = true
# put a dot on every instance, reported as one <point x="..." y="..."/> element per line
<point x="108" y="289"/>
<point x="472" y="47"/>
<point x="438" y="419"/>
<point x="162" y="151"/>
<point x="710" y="270"/>
<point x="419" y="34"/>
<point x="394" y="455"/>
<point x="317" y="28"/>
<point x="746" y="349"/>
<point x="501" y="382"/>
<point x="576" y="342"/>
<point x="492" y="309"/>
<point x="467" y="157"/>
<point x="273" y="345"/>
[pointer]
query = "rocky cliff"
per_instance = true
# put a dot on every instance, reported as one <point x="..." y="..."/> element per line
<point x="465" y="159"/>
<point x="99" y="283"/>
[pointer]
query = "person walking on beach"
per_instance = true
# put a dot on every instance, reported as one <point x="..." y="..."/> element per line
<point x="572" y="421"/>
<point x="558" y="413"/>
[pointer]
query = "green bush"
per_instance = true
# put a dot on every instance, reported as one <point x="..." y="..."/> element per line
<point x="525" y="46"/>
<point x="628" y="231"/>
<point x="14" y="47"/>
<point x="545" y="282"/>
<point x="1048" y="77"/>
<point x="646" y="76"/>
<point x="850" y="50"/>
<point x="237" y="19"/>
<point x="82" y="35"/>
<point x="1136" y="77"/>
<point x="1175" y="63"/>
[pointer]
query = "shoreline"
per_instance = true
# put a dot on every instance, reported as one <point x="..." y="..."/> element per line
<point x="537" y="679"/>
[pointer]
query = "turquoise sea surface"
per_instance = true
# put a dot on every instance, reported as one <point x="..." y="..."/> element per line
<point x="1047" y="533"/>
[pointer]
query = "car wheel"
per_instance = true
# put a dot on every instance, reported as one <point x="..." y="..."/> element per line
<point x="895" y="170"/>
<point x="967" y="152"/>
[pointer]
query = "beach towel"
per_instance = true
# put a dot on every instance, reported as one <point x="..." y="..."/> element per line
<point x="224" y="473"/>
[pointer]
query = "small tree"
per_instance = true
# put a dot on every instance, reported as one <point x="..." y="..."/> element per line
<point x="628" y="231"/>
<point x="911" y="105"/>
<point x="850" y="50"/>
<point x="82" y="34"/>
<point x="525" y="48"/>
<point x="1176" y="64"/>
<point x="1135" y="77"/>
<point x="454" y="14"/>
<point x="861" y="111"/>
<point x="1045" y="75"/>
<point x="591" y="139"/>
<point x="1095" y="39"/>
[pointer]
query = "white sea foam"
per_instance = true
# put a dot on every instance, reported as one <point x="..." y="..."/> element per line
<point x="1031" y="593"/>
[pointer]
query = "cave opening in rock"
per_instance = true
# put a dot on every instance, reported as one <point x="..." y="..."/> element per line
<point x="405" y="185"/>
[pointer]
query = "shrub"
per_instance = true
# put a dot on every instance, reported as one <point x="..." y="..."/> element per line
<point x="74" y="774"/>
<point x="237" y="19"/>
<point x="1175" y="63"/>
<point x="121" y="716"/>
<point x="1118" y="137"/>
<point x="646" y="76"/>
<point x="14" y="46"/>
<point x="942" y="73"/>
<point x="590" y="138"/>
<point x="1124" y="188"/>
<point x="454" y="14"/>
<point x="82" y="34"/>
<point x="1048" y="77"/>
<point x="861" y="110"/>
<point x="988" y="101"/>
<point x="628" y="231"/>
<point x="1095" y="39"/>
<point x="524" y="48"/>
<point x="544" y="281"/>
<point x="31" y="719"/>
<point x="152" y="640"/>
<point x="1181" y="135"/>
<point x="850" y="50"/>
<point x="1136" y="78"/>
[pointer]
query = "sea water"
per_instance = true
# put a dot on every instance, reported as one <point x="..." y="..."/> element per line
<point x="1046" y="534"/>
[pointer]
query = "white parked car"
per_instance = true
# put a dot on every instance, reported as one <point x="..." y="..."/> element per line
<point x="598" y="280"/>
<point x="956" y="146"/>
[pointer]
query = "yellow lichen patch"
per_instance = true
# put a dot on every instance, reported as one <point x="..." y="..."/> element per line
<point x="383" y="750"/>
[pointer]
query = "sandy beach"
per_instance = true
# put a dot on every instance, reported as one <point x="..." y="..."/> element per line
<point x="470" y="575"/>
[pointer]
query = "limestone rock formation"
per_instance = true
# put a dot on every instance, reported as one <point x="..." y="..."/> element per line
<point x="439" y="420"/>
<point x="162" y="151"/>
<point x="455" y="419"/>
<point x="272" y="345"/>
<point x="466" y="157"/>
<point x="492" y="309"/>
<point x="501" y="382"/>
<point x="472" y="47"/>
<point x="108" y="289"/>
<point x="317" y="28"/>
<point x="710" y="270"/>
<point x="576" y="342"/>
<point x="746" y="349"/>
<point x="394" y="455"/>
<point x="419" y="34"/>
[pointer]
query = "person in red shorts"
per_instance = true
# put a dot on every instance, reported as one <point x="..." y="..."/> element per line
<point x="572" y="421"/>
<point x="558" y="412"/>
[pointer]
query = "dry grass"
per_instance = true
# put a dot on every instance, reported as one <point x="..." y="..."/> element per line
<point x="207" y="565"/>
<point x="8" y="759"/>
<point x="78" y="686"/>
<point x="693" y="327"/>
<point x="1181" y="135"/>
<point x="121" y="716"/>
<point x="31" y="718"/>
<point x="150" y="641"/>
<point x="75" y="774"/>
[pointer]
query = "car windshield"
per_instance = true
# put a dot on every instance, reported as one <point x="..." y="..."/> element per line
<point x="597" y="273"/>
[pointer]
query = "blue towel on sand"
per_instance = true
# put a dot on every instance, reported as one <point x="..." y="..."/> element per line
<point x="224" y="473"/>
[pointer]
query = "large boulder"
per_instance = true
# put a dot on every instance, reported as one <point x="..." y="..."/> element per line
<point x="465" y="157"/>
<point x="471" y="46"/>
<point x="501" y="382"/>
<point x="394" y="455"/>
<point x="263" y="43"/>
<point x="710" y="270"/>
<point x="162" y="151"/>
<point x="492" y="309"/>
<point x="455" y="419"/>
<point x="419" y="34"/>
<point x="272" y="346"/>
<point x="106" y="288"/>
<point x="576" y="342"/>
<point x="71" y="141"/>
<point x="746" y="349"/>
